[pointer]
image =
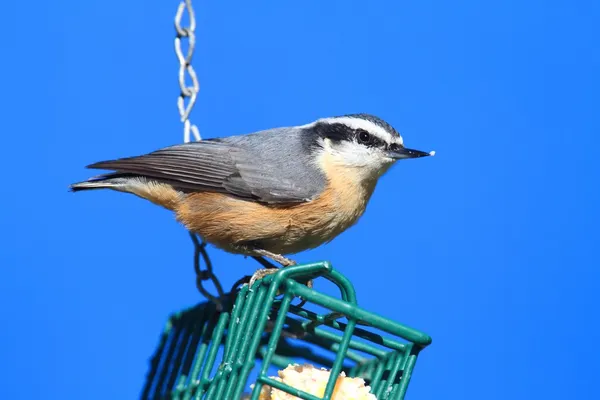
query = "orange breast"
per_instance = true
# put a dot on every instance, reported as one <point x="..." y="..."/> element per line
<point x="228" y="222"/>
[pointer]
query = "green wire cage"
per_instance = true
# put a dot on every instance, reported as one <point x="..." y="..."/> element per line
<point x="206" y="353"/>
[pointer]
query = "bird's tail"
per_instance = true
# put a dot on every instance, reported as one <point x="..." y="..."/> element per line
<point x="159" y="193"/>
<point x="115" y="181"/>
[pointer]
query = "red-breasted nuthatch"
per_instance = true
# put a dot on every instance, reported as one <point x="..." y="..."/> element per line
<point x="269" y="193"/>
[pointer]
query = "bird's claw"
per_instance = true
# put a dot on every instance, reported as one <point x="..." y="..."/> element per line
<point x="261" y="273"/>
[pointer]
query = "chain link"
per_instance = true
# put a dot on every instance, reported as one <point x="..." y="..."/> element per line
<point x="189" y="94"/>
<point x="205" y="274"/>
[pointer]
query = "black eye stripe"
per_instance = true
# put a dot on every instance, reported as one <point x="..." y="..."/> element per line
<point x="334" y="132"/>
<point x="341" y="132"/>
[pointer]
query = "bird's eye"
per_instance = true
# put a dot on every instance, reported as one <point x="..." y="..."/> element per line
<point x="364" y="137"/>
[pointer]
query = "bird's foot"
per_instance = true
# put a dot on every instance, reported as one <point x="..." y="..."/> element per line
<point x="270" y="268"/>
<point x="261" y="273"/>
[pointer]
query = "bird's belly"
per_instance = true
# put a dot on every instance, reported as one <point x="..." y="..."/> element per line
<point x="236" y="225"/>
<point x="299" y="237"/>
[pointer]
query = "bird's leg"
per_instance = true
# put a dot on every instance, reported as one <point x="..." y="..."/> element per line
<point x="270" y="268"/>
<point x="286" y="262"/>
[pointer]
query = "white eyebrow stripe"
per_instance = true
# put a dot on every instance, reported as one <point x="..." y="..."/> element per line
<point x="359" y="123"/>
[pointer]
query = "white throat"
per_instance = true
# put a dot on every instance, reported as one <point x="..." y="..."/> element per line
<point x="365" y="164"/>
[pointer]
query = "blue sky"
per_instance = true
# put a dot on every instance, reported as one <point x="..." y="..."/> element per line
<point x="490" y="247"/>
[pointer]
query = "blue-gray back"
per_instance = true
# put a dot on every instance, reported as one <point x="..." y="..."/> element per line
<point x="271" y="166"/>
<point x="276" y="165"/>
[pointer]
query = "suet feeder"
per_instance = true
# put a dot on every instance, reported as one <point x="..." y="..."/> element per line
<point x="206" y="353"/>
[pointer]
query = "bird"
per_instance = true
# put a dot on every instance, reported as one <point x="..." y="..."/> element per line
<point x="270" y="193"/>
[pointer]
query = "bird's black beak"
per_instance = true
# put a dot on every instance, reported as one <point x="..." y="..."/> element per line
<point x="398" y="152"/>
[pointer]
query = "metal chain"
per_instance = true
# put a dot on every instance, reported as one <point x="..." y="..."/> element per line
<point x="189" y="94"/>
<point x="185" y="66"/>
<point x="206" y="274"/>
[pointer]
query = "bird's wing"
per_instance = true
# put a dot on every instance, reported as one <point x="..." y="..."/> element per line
<point x="215" y="166"/>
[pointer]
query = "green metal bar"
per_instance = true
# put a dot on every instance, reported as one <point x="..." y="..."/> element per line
<point x="200" y="354"/>
<point x="411" y="360"/>
<point x="383" y="382"/>
<point x="358" y="313"/>
<point x="255" y="336"/>
<point x="231" y="384"/>
<point x="188" y="322"/>
<point x="214" y="346"/>
<point x="240" y="332"/>
<point x="234" y="325"/>
<point x="272" y="345"/>
<point x="253" y="326"/>
<point x="399" y="360"/>
<point x="308" y="353"/>
<point x="274" y="281"/>
<point x="339" y="359"/>
<point x="179" y="387"/>
<point x="275" y="334"/>
<point x="359" y="332"/>
<point x="221" y="377"/>
<point x="281" y="361"/>
<point x="199" y="320"/>
<point x="397" y="392"/>
<point x="288" y="389"/>
<point x="156" y="359"/>
<point x="212" y="389"/>
<point x="320" y="269"/>
<point x="360" y="346"/>
<point x="247" y="351"/>
<point x="171" y="348"/>
<point x="365" y="371"/>
<point x="377" y="374"/>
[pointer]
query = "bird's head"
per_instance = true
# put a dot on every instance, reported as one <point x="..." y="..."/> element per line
<point x="361" y="144"/>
